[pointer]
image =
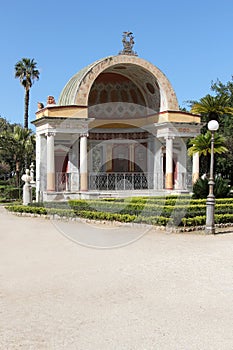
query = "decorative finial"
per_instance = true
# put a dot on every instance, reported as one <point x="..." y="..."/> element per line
<point x="128" y="43"/>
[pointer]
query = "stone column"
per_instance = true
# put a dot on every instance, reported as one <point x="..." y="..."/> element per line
<point x="150" y="162"/>
<point x="150" y="155"/>
<point x="195" y="175"/>
<point x="50" y="162"/>
<point x="83" y="163"/>
<point x="131" y="156"/>
<point x="181" y="181"/>
<point x="74" y="166"/>
<point x="38" y="166"/>
<point x="158" y="164"/>
<point x="169" y="163"/>
<point x="109" y="160"/>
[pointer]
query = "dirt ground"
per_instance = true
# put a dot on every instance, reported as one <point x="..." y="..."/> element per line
<point x="161" y="292"/>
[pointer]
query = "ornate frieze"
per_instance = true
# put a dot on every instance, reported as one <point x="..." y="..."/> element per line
<point x="123" y="136"/>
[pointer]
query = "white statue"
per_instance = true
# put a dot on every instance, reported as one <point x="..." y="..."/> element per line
<point x="32" y="182"/>
<point x="27" y="189"/>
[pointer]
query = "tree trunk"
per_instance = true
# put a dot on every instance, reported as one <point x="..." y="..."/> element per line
<point x="17" y="170"/>
<point x="26" y="107"/>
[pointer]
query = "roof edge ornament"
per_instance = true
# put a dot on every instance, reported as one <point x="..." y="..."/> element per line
<point x="128" y="43"/>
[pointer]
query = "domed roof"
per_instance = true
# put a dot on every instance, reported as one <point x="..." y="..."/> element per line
<point x="120" y="79"/>
<point x="67" y="96"/>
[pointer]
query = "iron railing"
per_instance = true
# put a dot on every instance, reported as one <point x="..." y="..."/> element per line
<point x="102" y="181"/>
<point x="120" y="181"/>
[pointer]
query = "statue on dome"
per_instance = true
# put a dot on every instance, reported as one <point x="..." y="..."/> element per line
<point x="40" y="105"/>
<point x="128" y="43"/>
<point x="51" y="100"/>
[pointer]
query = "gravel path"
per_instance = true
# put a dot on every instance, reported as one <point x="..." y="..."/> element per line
<point x="162" y="292"/>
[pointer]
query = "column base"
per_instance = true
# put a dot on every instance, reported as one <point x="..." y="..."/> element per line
<point x="195" y="177"/>
<point x="51" y="182"/>
<point x="83" y="182"/>
<point x="169" y="181"/>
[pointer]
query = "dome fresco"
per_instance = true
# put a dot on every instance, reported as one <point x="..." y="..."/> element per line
<point x="116" y="96"/>
<point x="120" y="87"/>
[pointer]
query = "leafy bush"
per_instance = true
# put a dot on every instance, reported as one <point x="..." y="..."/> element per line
<point x="153" y="220"/>
<point x="181" y="213"/>
<point x="40" y="210"/>
<point x="221" y="188"/>
<point x="10" y="192"/>
<point x="26" y="209"/>
<point x="195" y="221"/>
<point x="223" y="218"/>
<point x="107" y="216"/>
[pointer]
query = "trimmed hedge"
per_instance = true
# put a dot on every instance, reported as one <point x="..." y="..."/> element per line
<point x="40" y="210"/>
<point x="106" y="216"/>
<point x="149" y="209"/>
<point x="138" y="210"/>
<point x="201" y="220"/>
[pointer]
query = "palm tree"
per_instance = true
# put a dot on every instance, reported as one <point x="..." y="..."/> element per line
<point x="211" y="107"/>
<point x="27" y="73"/>
<point x="202" y="144"/>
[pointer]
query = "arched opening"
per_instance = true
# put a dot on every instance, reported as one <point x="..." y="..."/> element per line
<point x="124" y="92"/>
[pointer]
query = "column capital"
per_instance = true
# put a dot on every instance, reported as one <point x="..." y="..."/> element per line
<point x="50" y="133"/>
<point x="169" y="137"/>
<point x="84" y="134"/>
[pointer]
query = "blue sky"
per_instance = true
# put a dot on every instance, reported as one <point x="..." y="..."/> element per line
<point x="190" y="41"/>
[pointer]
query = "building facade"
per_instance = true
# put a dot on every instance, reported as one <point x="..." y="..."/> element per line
<point x="115" y="127"/>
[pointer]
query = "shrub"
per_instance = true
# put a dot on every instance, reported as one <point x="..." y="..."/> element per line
<point x="107" y="216"/>
<point x="181" y="214"/>
<point x="40" y="210"/>
<point x="195" y="221"/>
<point x="221" y="188"/>
<point x="10" y="192"/>
<point x="26" y="209"/>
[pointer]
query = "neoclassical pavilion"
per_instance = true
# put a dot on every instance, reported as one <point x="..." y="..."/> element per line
<point x="116" y="127"/>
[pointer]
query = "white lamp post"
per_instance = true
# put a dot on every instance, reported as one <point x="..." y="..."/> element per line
<point x="210" y="202"/>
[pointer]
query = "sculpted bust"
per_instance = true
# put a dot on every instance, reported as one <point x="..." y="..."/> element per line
<point x="40" y="105"/>
<point x="51" y="100"/>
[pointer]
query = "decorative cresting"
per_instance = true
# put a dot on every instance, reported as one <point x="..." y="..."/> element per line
<point x="128" y="43"/>
<point x="76" y="91"/>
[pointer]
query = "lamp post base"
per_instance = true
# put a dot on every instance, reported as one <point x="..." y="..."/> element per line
<point x="210" y="203"/>
<point x="209" y="230"/>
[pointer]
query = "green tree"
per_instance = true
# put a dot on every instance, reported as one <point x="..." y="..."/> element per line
<point x="220" y="108"/>
<point x="221" y="89"/>
<point x="224" y="165"/>
<point x="212" y="107"/>
<point x="27" y="72"/>
<point x="202" y="144"/>
<point x="4" y="169"/>
<point x="16" y="147"/>
<point x="5" y="125"/>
